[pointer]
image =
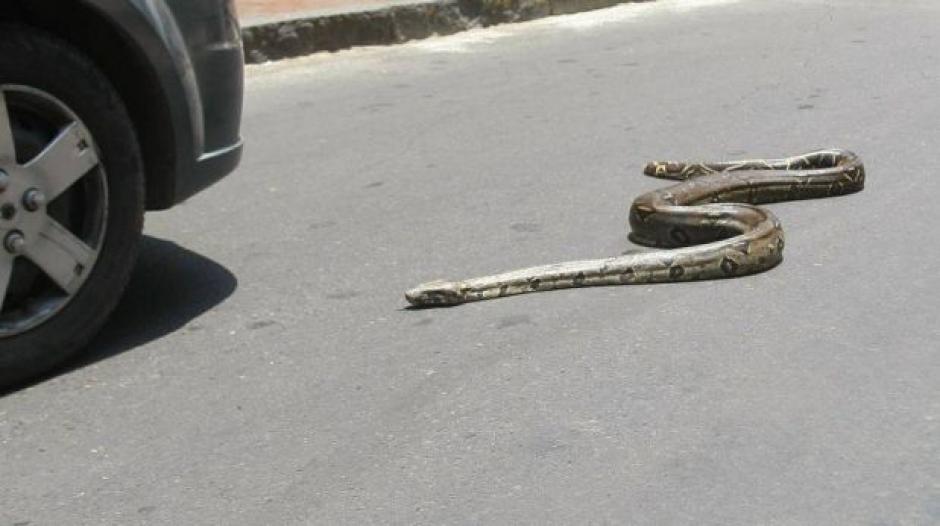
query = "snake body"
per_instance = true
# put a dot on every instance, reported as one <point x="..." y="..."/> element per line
<point x="707" y="227"/>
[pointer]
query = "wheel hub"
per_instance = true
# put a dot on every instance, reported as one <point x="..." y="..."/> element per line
<point x="23" y="211"/>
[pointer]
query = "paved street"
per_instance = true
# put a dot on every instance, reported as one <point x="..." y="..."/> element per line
<point x="263" y="368"/>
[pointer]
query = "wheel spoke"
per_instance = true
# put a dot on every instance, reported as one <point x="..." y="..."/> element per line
<point x="61" y="255"/>
<point x="6" y="269"/>
<point x="67" y="158"/>
<point x="7" y="150"/>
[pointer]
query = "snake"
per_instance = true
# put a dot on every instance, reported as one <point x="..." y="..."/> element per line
<point x="707" y="226"/>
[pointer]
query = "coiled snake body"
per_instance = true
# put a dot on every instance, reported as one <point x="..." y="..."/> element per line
<point x="707" y="226"/>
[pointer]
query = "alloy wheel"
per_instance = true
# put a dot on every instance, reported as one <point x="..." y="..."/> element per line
<point x="53" y="207"/>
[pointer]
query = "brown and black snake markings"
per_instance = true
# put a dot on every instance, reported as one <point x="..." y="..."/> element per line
<point x="707" y="227"/>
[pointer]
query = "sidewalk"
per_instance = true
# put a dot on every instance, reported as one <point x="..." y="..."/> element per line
<point x="257" y="12"/>
<point x="276" y="29"/>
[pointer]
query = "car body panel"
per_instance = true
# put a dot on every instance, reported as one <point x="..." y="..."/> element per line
<point x="194" y="47"/>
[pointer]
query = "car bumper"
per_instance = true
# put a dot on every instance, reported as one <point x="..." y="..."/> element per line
<point x="214" y="56"/>
<point x="208" y="169"/>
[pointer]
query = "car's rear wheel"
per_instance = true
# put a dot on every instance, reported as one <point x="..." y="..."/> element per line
<point x="71" y="201"/>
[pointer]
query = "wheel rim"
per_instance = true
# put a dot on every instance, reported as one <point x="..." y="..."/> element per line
<point x="53" y="207"/>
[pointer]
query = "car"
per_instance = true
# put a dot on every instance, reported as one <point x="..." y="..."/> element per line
<point x="108" y="109"/>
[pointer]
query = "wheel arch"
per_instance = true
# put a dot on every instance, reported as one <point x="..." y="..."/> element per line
<point x="165" y="130"/>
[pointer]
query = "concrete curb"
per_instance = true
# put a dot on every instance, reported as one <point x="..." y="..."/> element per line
<point x="392" y="25"/>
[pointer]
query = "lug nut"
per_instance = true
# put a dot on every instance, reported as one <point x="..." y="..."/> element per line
<point x="33" y="199"/>
<point x="14" y="242"/>
<point x="4" y="181"/>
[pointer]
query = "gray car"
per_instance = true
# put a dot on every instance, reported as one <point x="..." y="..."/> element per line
<point x="108" y="108"/>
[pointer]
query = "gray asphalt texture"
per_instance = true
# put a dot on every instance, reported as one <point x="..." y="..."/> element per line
<point x="263" y="368"/>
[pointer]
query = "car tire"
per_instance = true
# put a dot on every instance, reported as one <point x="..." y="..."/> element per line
<point x="51" y="91"/>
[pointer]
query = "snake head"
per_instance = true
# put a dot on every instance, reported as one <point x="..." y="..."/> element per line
<point x="436" y="293"/>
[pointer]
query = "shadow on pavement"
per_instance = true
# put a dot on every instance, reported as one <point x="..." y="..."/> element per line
<point x="169" y="287"/>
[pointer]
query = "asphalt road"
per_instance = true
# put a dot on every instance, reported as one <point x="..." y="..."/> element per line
<point x="263" y="369"/>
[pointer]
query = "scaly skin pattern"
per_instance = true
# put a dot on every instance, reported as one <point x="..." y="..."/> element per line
<point x="706" y="226"/>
